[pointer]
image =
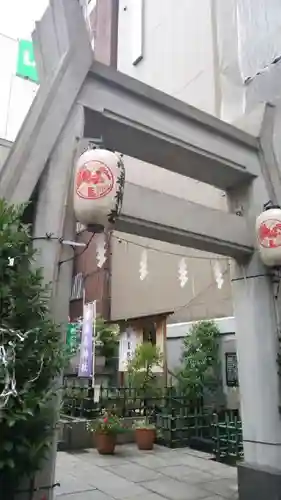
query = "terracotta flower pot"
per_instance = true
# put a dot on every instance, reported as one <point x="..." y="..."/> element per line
<point x="145" y="438"/>
<point x="105" y="443"/>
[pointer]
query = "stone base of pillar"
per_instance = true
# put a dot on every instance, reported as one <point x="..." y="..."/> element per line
<point x="258" y="483"/>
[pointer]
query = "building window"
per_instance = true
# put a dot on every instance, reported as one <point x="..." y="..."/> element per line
<point x="149" y="333"/>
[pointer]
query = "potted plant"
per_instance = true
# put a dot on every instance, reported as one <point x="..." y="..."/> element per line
<point x="105" y="428"/>
<point x="145" y="434"/>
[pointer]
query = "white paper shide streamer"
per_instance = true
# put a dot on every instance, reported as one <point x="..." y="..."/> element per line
<point x="7" y="361"/>
<point x="100" y="241"/>
<point x="218" y="274"/>
<point x="182" y="272"/>
<point x="8" y="366"/>
<point x="143" y="265"/>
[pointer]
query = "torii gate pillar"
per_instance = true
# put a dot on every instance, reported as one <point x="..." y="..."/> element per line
<point x="256" y="310"/>
<point x="257" y="347"/>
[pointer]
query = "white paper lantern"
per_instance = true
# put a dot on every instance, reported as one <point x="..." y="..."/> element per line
<point x="268" y="233"/>
<point x="98" y="187"/>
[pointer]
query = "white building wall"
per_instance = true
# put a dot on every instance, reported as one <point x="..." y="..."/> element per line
<point x="177" y="48"/>
<point x="202" y="52"/>
<point x="177" y="55"/>
<point x="16" y="94"/>
<point x="178" y="59"/>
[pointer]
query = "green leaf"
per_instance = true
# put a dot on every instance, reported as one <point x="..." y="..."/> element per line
<point x="20" y="448"/>
<point x="8" y="446"/>
<point x="10" y="463"/>
<point x="27" y="425"/>
<point x="200" y="371"/>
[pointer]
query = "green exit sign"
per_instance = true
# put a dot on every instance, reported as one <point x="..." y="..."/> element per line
<point x="26" y="66"/>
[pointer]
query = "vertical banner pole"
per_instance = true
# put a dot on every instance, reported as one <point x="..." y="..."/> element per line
<point x="86" y="348"/>
<point x="94" y="340"/>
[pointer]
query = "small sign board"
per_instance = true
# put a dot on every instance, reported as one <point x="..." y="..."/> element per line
<point x="72" y="337"/>
<point x="26" y="66"/>
<point x="231" y="369"/>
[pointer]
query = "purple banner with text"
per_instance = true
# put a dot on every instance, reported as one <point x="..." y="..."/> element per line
<point x="86" y="347"/>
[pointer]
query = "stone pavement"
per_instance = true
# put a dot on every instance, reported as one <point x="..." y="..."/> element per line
<point x="161" y="474"/>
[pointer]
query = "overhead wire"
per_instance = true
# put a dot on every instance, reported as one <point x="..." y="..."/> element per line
<point x="202" y="292"/>
<point x="167" y="252"/>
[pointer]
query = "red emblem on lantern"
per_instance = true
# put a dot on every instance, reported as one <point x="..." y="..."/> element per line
<point x="269" y="234"/>
<point x="94" y="180"/>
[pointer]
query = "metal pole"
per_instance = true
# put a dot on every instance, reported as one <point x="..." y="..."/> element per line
<point x="94" y="341"/>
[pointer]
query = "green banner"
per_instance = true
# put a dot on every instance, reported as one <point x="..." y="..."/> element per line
<point x="26" y="67"/>
<point x="72" y="339"/>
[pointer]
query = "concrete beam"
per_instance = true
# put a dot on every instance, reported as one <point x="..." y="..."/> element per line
<point x="147" y="124"/>
<point x="163" y="217"/>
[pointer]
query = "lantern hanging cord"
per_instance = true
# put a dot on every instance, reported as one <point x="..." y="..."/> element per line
<point x="177" y="309"/>
<point x="199" y="294"/>
<point x="249" y="277"/>
<point x="78" y="254"/>
<point x="47" y="236"/>
<point x="40" y="488"/>
<point x="269" y="205"/>
<point x="147" y="247"/>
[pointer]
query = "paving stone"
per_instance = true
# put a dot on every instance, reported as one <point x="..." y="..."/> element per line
<point x="215" y="497"/>
<point x="187" y="474"/>
<point x="155" y="451"/>
<point x="195" y="453"/>
<point x="175" y="490"/>
<point x="88" y="495"/>
<point x="149" y="496"/>
<point x="134" y="472"/>
<point x="106" y="479"/>
<point x="73" y="484"/>
<point x="161" y="474"/>
<point x="227" y="488"/>
<point x="115" y="486"/>
<point x="131" y="490"/>
<point x="105" y="461"/>
<point x="219" y="470"/>
<point x="153" y="461"/>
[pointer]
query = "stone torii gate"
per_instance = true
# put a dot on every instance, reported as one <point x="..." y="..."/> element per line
<point x="79" y="100"/>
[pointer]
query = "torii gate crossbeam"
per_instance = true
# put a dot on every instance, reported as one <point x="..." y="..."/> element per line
<point x="155" y="127"/>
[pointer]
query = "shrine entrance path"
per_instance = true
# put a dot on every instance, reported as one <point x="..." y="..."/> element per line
<point x="161" y="474"/>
